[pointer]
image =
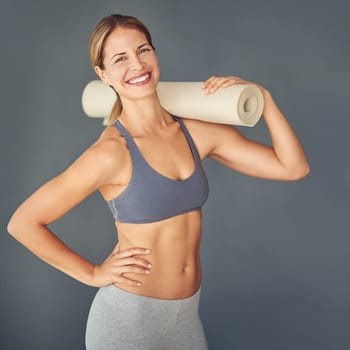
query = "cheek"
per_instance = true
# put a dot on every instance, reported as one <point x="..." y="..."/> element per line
<point x="117" y="74"/>
<point x="153" y="62"/>
<point x="155" y="59"/>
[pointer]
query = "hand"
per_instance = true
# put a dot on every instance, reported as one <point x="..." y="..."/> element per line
<point x="120" y="262"/>
<point x="212" y="84"/>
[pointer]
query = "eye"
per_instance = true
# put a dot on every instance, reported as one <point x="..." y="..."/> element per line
<point x="144" y="49"/>
<point x="120" y="59"/>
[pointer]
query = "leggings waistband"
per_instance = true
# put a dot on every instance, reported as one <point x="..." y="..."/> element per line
<point x="122" y="294"/>
<point x="119" y="319"/>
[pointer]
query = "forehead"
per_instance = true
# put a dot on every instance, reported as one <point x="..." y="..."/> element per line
<point x="123" y="39"/>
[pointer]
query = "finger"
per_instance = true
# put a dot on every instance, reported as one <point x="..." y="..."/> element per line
<point x="212" y="79"/>
<point x="233" y="78"/>
<point x="133" y="261"/>
<point x="214" y="85"/>
<point x="242" y="81"/>
<point x="218" y="83"/>
<point x="210" y="84"/>
<point x="128" y="281"/>
<point x="209" y="81"/>
<point x="133" y="251"/>
<point x="231" y="82"/>
<point x="133" y="269"/>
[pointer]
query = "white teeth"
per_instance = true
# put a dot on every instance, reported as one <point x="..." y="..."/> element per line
<point x="139" y="79"/>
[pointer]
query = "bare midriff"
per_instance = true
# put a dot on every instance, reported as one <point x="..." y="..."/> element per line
<point x="175" y="255"/>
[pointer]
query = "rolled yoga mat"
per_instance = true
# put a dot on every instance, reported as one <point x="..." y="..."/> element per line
<point x="239" y="104"/>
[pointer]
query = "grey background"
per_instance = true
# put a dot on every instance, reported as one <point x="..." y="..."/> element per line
<point x="275" y="255"/>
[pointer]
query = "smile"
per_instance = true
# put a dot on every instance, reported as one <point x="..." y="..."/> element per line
<point x="140" y="80"/>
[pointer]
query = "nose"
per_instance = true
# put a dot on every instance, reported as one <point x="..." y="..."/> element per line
<point x="136" y="63"/>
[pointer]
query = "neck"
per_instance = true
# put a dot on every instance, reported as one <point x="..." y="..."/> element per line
<point x="144" y="115"/>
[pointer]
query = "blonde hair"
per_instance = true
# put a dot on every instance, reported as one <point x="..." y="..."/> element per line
<point x="96" y="47"/>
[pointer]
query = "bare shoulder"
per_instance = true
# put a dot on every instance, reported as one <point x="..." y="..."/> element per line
<point x="110" y="144"/>
<point x="107" y="154"/>
<point x="93" y="169"/>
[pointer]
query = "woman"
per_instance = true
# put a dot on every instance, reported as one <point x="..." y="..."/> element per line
<point x="147" y="166"/>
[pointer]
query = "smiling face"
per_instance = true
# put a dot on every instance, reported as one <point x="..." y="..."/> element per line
<point x="130" y="64"/>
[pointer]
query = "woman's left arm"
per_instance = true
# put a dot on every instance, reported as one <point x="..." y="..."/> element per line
<point x="285" y="160"/>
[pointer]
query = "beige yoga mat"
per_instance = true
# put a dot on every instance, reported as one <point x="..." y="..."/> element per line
<point x="240" y="104"/>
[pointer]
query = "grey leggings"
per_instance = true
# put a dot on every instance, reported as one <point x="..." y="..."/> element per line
<point x="120" y="320"/>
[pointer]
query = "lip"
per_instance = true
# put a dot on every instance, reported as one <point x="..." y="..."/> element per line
<point x="148" y="76"/>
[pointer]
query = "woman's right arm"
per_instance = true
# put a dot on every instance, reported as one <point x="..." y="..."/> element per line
<point x="93" y="169"/>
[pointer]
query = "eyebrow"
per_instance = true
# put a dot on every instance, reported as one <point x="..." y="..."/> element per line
<point x="124" y="53"/>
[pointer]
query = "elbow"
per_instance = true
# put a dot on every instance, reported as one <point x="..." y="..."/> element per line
<point x="299" y="173"/>
<point x="12" y="226"/>
<point x="307" y="169"/>
<point x="16" y="225"/>
<point x="21" y="223"/>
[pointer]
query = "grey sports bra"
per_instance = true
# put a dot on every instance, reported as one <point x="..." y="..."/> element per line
<point x="151" y="196"/>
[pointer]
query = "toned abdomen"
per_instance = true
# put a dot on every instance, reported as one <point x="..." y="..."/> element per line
<point x="175" y="255"/>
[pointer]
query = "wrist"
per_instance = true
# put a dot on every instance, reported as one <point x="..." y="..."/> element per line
<point x="88" y="277"/>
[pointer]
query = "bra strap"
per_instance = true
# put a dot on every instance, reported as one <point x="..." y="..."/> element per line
<point x="133" y="149"/>
<point x="189" y="138"/>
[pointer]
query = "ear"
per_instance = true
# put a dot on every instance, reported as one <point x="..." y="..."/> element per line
<point x="102" y="74"/>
